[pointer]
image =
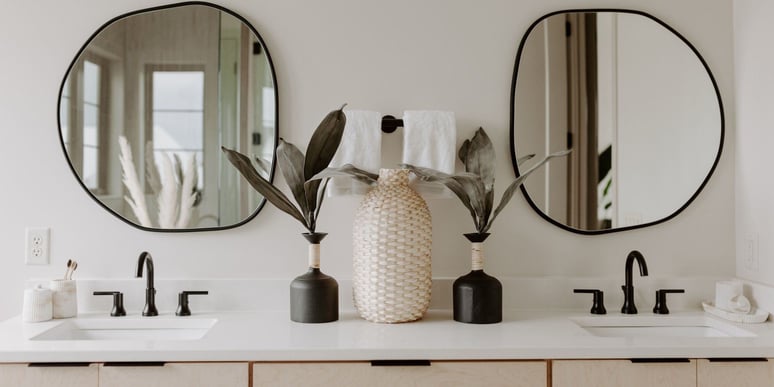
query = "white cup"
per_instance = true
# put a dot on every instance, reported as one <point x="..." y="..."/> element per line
<point x="729" y="297"/>
<point x="64" y="298"/>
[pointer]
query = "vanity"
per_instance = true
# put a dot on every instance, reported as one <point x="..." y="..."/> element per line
<point x="599" y="191"/>
<point x="536" y="348"/>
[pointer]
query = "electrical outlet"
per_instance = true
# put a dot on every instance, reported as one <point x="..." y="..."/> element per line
<point x="750" y="252"/>
<point x="36" y="250"/>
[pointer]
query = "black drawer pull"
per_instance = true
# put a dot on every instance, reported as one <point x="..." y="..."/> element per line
<point x="737" y="359"/>
<point x="135" y="364"/>
<point x="660" y="360"/>
<point x="394" y="363"/>
<point x="42" y="365"/>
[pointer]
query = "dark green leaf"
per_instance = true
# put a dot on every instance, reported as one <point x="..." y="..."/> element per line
<point x="426" y="174"/>
<point x="489" y="205"/>
<point x="261" y="164"/>
<point x="474" y="187"/>
<point x="508" y="194"/>
<point x="291" y="163"/>
<point x="463" y="152"/>
<point x="350" y="171"/>
<point x="324" y="143"/>
<point x="431" y="175"/>
<point x="481" y="158"/>
<point x="311" y="188"/>
<point x="320" y="199"/>
<point x="270" y="192"/>
<point x="525" y="158"/>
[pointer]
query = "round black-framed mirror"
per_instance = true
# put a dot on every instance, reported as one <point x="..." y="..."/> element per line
<point x="637" y="104"/>
<point x="148" y="101"/>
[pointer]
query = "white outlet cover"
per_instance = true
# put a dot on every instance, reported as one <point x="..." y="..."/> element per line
<point x="750" y="251"/>
<point x="36" y="246"/>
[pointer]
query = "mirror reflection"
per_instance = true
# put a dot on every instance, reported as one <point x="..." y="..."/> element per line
<point x="149" y="101"/>
<point x="636" y="104"/>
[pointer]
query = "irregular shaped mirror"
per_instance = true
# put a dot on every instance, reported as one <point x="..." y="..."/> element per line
<point x="148" y="102"/>
<point x="635" y="102"/>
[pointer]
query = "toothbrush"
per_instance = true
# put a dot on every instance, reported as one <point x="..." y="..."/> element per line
<point x="72" y="270"/>
<point x="69" y="263"/>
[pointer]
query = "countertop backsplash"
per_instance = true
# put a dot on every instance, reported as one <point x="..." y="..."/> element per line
<point x="519" y="293"/>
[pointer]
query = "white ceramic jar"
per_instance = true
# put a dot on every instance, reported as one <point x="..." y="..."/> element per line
<point x="37" y="305"/>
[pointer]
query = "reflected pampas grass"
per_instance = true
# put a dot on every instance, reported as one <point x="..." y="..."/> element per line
<point x="136" y="197"/>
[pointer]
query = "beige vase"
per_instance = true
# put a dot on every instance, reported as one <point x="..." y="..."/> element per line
<point x="392" y="240"/>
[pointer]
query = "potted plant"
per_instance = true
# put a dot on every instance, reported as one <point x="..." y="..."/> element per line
<point x="314" y="295"/>
<point x="477" y="296"/>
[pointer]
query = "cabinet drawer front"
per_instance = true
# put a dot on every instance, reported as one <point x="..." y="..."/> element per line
<point x="441" y="373"/>
<point x="177" y="375"/>
<point x="20" y="375"/>
<point x="620" y="373"/>
<point x="737" y="374"/>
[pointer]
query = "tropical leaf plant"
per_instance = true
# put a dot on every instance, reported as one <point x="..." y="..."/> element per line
<point x="349" y="170"/>
<point x="475" y="187"/>
<point x="298" y="170"/>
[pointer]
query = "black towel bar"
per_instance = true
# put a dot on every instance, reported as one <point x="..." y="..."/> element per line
<point x="390" y="123"/>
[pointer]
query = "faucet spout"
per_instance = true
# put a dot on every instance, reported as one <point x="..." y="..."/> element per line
<point x="145" y="260"/>
<point x="628" y="288"/>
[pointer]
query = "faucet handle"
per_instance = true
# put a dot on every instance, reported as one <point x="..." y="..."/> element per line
<point x="661" y="305"/>
<point x="598" y="306"/>
<point x="118" y="303"/>
<point x="182" y="298"/>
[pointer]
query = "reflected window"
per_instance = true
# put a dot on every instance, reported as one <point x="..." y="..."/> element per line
<point x="177" y="115"/>
<point x="91" y="123"/>
<point x="81" y="116"/>
<point x="268" y="108"/>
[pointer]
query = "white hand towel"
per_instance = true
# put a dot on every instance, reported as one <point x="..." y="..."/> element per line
<point x="429" y="140"/>
<point x="361" y="146"/>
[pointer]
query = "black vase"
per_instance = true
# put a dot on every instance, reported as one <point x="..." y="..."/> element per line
<point x="477" y="296"/>
<point x="314" y="296"/>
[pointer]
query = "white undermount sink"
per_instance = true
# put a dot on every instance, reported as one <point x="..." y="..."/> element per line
<point x="659" y="326"/>
<point x="129" y="329"/>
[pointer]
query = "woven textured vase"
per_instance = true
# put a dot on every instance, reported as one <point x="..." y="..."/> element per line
<point x="392" y="241"/>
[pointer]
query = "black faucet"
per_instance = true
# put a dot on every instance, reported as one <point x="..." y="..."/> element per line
<point x="628" y="289"/>
<point x="150" y="292"/>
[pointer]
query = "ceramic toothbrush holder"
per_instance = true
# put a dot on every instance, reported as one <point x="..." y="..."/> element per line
<point x="64" y="298"/>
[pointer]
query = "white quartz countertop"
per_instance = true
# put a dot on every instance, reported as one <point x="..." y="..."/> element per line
<point x="271" y="336"/>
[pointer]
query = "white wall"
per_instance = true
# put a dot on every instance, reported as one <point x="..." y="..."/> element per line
<point x="754" y="64"/>
<point x="390" y="56"/>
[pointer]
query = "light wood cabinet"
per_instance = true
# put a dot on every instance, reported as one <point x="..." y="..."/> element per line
<point x="176" y="375"/>
<point x="564" y="373"/>
<point x="620" y="373"/>
<point x="21" y="375"/>
<point x="735" y="373"/>
<point x="440" y="373"/>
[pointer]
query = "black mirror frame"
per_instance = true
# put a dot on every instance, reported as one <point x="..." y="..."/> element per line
<point x="265" y="50"/>
<point x="513" y="133"/>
